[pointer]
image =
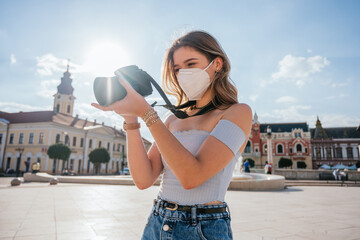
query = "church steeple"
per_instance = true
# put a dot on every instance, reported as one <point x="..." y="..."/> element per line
<point x="64" y="99"/>
<point x="320" y="133"/>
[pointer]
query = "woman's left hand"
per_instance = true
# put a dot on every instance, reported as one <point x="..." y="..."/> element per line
<point x="132" y="105"/>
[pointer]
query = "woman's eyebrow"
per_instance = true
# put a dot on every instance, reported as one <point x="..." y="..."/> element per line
<point x="188" y="60"/>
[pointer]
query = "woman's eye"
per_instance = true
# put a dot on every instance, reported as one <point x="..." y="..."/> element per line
<point x="191" y="64"/>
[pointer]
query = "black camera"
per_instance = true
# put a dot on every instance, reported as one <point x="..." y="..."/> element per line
<point x="108" y="90"/>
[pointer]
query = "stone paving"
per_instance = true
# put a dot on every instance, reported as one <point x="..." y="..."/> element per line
<point x="83" y="211"/>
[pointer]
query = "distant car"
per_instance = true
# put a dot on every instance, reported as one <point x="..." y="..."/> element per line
<point x="126" y="171"/>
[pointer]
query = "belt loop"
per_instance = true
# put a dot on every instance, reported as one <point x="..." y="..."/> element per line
<point x="193" y="216"/>
<point x="157" y="207"/>
<point x="227" y="206"/>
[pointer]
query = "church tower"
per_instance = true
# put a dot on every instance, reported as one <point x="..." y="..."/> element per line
<point x="64" y="99"/>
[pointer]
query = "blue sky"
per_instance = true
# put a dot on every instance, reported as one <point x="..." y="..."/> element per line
<point x="291" y="60"/>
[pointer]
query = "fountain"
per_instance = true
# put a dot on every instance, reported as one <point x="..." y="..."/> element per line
<point x="255" y="181"/>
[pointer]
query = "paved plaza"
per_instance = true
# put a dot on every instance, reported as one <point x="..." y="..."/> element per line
<point x="84" y="211"/>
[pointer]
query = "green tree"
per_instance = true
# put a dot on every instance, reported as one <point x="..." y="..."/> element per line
<point x="251" y="162"/>
<point x="285" y="162"/>
<point x="57" y="152"/>
<point x="301" y="164"/>
<point x="98" y="156"/>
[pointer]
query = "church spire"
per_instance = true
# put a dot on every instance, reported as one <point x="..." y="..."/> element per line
<point x="64" y="99"/>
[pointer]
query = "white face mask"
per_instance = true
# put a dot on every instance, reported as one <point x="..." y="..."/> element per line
<point x="194" y="82"/>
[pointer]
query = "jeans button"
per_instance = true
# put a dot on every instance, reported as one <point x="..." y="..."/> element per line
<point x="166" y="228"/>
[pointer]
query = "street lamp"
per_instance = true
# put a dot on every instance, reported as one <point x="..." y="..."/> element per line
<point x="20" y="151"/>
<point x="269" y="147"/>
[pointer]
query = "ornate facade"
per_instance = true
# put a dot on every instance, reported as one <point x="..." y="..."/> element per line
<point x="26" y="136"/>
<point x="334" y="146"/>
<point x="288" y="140"/>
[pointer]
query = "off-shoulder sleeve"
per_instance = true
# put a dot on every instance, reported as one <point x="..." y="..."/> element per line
<point x="230" y="134"/>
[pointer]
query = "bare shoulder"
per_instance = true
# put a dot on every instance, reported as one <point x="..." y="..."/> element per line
<point x="239" y="114"/>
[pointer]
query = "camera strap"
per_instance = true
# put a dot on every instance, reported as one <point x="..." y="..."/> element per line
<point x="175" y="110"/>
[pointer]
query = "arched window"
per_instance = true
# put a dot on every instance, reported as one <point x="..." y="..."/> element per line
<point x="298" y="148"/>
<point x="57" y="138"/>
<point x="265" y="148"/>
<point x="349" y="152"/>
<point x="248" y="147"/>
<point x="280" y="148"/>
<point x="339" y="152"/>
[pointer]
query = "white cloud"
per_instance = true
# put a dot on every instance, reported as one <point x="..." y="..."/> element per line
<point x="291" y="67"/>
<point x="309" y="50"/>
<point x="254" y="97"/>
<point x="342" y="84"/>
<point x="286" y="99"/>
<point x="48" y="88"/>
<point x="290" y="114"/>
<point x="48" y="64"/>
<point x="17" y="107"/>
<point x="12" y="59"/>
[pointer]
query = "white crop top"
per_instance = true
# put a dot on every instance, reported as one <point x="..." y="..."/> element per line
<point x="213" y="189"/>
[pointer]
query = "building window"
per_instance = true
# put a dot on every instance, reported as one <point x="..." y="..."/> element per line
<point x="0" y="138"/>
<point x="58" y="96"/>
<point x="349" y="152"/>
<point x="108" y="146"/>
<point x="11" y="140"/>
<point x="31" y="138"/>
<point x="41" y="138"/>
<point x="57" y="138"/>
<point x="113" y="147"/>
<point x="295" y="135"/>
<point x="67" y="140"/>
<point x="328" y="153"/>
<point x="248" y="147"/>
<point x="290" y="150"/>
<point x="299" y="134"/>
<point x="317" y="152"/>
<point x="57" y="108"/>
<point x="74" y="142"/>
<point x="90" y="143"/>
<point x="256" y="149"/>
<point x="280" y="148"/>
<point x="265" y="148"/>
<point x="305" y="150"/>
<point x="72" y="164"/>
<point x="21" y="138"/>
<point x="339" y="152"/>
<point x="118" y="147"/>
<point x="99" y="144"/>
<point x="82" y="142"/>
<point x="298" y="148"/>
<point x="8" y="163"/>
<point x="68" y="109"/>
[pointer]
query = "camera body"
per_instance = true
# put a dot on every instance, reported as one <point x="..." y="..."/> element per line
<point x="108" y="90"/>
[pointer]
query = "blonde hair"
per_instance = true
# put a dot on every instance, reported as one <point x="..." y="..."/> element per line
<point x="224" y="92"/>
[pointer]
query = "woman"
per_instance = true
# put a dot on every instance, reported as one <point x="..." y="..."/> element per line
<point x="196" y="155"/>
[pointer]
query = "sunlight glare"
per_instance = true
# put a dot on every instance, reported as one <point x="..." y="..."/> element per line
<point x="103" y="59"/>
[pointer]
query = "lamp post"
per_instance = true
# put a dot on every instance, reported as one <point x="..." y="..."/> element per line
<point x="20" y="151"/>
<point x="269" y="146"/>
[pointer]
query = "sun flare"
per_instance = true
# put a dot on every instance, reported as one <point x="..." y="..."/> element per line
<point x="104" y="58"/>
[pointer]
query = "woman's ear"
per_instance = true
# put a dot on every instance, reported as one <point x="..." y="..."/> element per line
<point x="218" y="63"/>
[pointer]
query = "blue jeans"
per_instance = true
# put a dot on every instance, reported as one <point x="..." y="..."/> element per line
<point x="177" y="225"/>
